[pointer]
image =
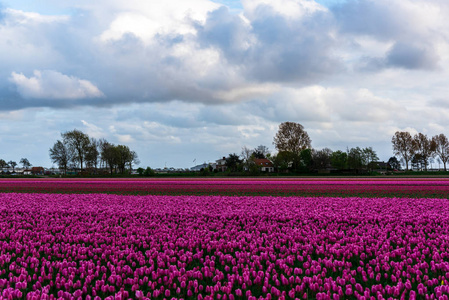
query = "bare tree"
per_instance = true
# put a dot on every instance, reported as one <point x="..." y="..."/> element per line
<point x="403" y="146"/>
<point x="25" y="163"/>
<point x="124" y="157"/>
<point x="321" y="158"/>
<point x="133" y="159"/>
<point x="369" y="156"/>
<point x="92" y="154"/>
<point x="247" y="155"/>
<point x="61" y="154"/>
<point x="442" y="148"/>
<point x="424" y="147"/>
<point x="261" y="151"/>
<point x="13" y="165"/>
<point x="109" y="155"/>
<point x="103" y="144"/>
<point x="79" y="143"/>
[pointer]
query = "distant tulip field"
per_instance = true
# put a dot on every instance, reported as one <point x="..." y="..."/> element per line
<point x="75" y="243"/>
<point x="414" y="188"/>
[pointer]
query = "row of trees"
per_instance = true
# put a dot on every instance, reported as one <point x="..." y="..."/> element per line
<point x="12" y="164"/>
<point x="294" y="153"/>
<point x="76" y="150"/>
<point x="417" y="150"/>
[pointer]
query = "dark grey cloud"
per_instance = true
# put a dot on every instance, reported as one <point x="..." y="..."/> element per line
<point x="373" y="18"/>
<point x="402" y="55"/>
<point x="274" y="47"/>
<point x="410" y="56"/>
<point x="227" y="32"/>
<point x="414" y="32"/>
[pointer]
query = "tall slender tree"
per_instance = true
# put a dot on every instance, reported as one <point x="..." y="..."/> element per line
<point x="403" y="146"/>
<point x="124" y="156"/>
<point x="79" y="143"/>
<point x="109" y="155"/>
<point x="133" y="160"/>
<point x="442" y="148"/>
<point x="61" y="154"/>
<point x="13" y="165"/>
<point x="247" y="156"/>
<point x="92" y="154"/>
<point x="369" y="156"/>
<point x="424" y="147"/>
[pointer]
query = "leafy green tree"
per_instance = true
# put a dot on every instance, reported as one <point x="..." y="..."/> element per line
<point x="140" y="171"/>
<point x="282" y="161"/>
<point x="305" y="161"/>
<point x="3" y="164"/>
<point x="321" y="158"/>
<point x="394" y="163"/>
<point x="339" y="160"/>
<point x="355" y="158"/>
<point x="148" y="172"/>
<point x="233" y="162"/>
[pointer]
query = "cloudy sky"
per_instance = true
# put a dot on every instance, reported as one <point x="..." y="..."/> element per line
<point x="181" y="80"/>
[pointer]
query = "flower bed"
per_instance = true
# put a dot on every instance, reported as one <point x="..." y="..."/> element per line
<point x="220" y="247"/>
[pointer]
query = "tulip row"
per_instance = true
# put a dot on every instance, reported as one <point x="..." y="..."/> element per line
<point x="101" y="246"/>
<point x="416" y="188"/>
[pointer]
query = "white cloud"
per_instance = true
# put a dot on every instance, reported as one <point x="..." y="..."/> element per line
<point x="145" y="19"/>
<point x="24" y="18"/>
<point x="124" y="138"/>
<point x="246" y="92"/>
<point x="49" y="84"/>
<point x="93" y="130"/>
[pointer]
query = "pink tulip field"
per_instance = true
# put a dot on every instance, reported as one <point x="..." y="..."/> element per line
<point x="335" y="187"/>
<point x="95" y="245"/>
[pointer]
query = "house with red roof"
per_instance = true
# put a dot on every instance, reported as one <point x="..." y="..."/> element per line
<point x="264" y="164"/>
